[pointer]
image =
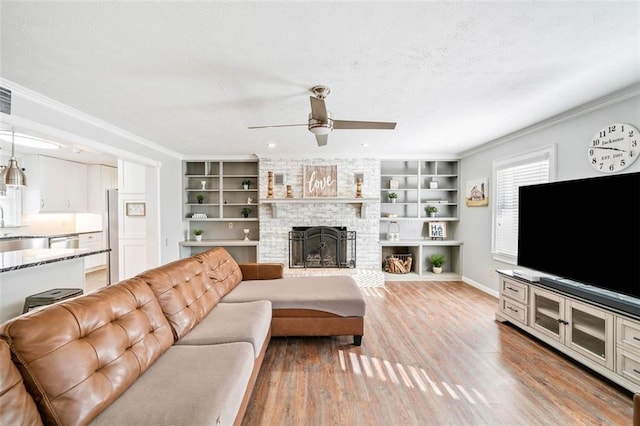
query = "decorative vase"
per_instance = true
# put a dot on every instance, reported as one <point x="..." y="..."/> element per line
<point x="246" y="234"/>
<point x="269" y="184"/>
<point x="437" y="269"/>
<point x="198" y="237"/>
<point x="204" y="184"/>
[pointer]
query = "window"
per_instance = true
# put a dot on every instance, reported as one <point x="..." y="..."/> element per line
<point x="10" y="203"/>
<point x="509" y="174"/>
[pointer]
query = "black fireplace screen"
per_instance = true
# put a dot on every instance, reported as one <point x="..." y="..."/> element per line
<point x="322" y="247"/>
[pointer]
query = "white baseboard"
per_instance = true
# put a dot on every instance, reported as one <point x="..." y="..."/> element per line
<point x="481" y="287"/>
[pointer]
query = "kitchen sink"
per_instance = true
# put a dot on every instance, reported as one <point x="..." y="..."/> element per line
<point x="23" y="243"/>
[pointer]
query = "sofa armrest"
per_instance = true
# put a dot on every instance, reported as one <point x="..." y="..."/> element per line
<point x="261" y="271"/>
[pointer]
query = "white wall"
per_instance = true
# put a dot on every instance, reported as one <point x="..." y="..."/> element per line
<point x="571" y="135"/>
<point x="45" y="116"/>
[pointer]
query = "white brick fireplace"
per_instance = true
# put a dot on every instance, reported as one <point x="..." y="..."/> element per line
<point x="274" y="231"/>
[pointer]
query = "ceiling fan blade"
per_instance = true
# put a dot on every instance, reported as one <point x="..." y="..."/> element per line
<point x="276" y="125"/>
<point x="318" y="110"/>
<point x="376" y="125"/>
<point x="322" y="139"/>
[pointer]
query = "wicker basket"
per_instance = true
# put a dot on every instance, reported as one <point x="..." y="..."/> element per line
<point x="398" y="263"/>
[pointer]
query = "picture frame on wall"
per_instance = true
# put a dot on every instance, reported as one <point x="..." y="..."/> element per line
<point x="477" y="193"/>
<point x="136" y="209"/>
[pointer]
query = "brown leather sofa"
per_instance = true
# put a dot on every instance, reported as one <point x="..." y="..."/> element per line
<point x="181" y="343"/>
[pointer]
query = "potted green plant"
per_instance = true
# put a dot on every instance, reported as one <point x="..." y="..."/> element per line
<point x="245" y="212"/>
<point x="437" y="260"/>
<point x="198" y="234"/>
<point x="246" y="183"/>
<point x="432" y="210"/>
<point x="393" y="197"/>
<point x="200" y="198"/>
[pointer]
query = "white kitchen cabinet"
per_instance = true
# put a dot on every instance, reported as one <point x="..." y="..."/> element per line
<point x="54" y="185"/>
<point x="100" y="178"/>
<point x="93" y="241"/>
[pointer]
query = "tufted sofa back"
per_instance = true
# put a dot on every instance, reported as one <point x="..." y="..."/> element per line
<point x="224" y="271"/>
<point x="188" y="289"/>
<point x="185" y="292"/>
<point x="16" y="405"/>
<point x="99" y="345"/>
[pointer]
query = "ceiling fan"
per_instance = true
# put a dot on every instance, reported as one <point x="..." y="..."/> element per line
<point x="321" y="122"/>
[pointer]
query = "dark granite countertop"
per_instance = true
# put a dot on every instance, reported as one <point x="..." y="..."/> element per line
<point x="20" y="259"/>
<point x="21" y="237"/>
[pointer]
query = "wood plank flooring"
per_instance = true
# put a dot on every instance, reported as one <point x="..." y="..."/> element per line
<point x="432" y="354"/>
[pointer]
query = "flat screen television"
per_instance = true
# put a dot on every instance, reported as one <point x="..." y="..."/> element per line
<point x="584" y="230"/>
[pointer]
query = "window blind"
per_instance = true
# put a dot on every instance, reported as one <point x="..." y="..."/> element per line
<point x="509" y="176"/>
<point x="9" y="203"/>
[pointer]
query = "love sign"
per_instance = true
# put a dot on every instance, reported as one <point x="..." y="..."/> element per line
<point x="320" y="181"/>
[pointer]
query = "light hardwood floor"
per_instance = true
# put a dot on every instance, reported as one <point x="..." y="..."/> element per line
<point x="95" y="280"/>
<point x="432" y="354"/>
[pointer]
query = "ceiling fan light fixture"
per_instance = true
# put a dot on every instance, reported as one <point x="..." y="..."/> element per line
<point x="318" y="127"/>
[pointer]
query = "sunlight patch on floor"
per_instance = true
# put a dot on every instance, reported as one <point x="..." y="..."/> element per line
<point x="409" y="376"/>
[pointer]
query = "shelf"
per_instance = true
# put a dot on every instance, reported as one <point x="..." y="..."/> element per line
<point x="423" y="219"/>
<point x="597" y="333"/>
<point x="220" y="243"/>
<point x="222" y="219"/>
<point x="549" y="313"/>
<point x="361" y="203"/>
<point x="416" y="243"/>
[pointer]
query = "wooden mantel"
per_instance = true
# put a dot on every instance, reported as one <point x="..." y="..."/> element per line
<point x="360" y="203"/>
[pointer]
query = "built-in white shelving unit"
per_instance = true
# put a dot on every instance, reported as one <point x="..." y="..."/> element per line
<point x="420" y="184"/>
<point x="214" y="201"/>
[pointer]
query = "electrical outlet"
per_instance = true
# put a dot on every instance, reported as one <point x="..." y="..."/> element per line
<point x="230" y="225"/>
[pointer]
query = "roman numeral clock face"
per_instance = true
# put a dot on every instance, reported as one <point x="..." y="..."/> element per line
<point x="614" y="148"/>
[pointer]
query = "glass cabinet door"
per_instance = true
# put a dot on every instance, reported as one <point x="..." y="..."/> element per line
<point x="547" y="313"/>
<point x="590" y="332"/>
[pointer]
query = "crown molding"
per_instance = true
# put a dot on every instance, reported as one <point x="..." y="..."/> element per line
<point x="613" y="98"/>
<point x="51" y="104"/>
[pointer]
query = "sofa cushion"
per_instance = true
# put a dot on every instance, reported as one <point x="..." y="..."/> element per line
<point x="261" y="271"/>
<point x="223" y="269"/>
<point x="16" y="405"/>
<point x="192" y="385"/>
<point x="78" y="356"/>
<point x="233" y="322"/>
<point x="338" y="294"/>
<point x="185" y="292"/>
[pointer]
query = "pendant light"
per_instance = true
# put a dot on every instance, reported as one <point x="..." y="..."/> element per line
<point x="13" y="175"/>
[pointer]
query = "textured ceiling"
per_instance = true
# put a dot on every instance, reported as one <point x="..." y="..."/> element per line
<point x="192" y="76"/>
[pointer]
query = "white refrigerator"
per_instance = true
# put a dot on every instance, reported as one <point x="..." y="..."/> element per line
<point x="112" y="235"/>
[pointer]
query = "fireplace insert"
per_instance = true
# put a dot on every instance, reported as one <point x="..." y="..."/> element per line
<point x="322" y="247"/>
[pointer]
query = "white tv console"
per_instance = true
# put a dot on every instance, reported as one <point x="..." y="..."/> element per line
<point x="601" y="337"/>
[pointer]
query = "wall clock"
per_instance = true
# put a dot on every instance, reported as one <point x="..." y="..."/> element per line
<point x="613" y="148"/>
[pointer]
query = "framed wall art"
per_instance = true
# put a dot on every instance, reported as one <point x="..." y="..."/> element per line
<point x="437" y="230"/>
<point x="320" y="181"/>
<point x="136" y="209"/>
<point x="477" y="193"/>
